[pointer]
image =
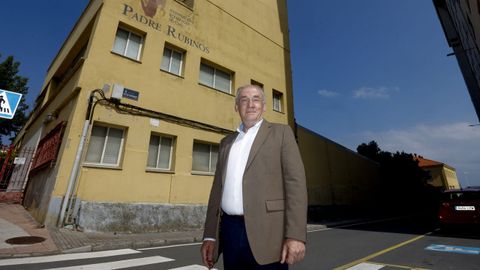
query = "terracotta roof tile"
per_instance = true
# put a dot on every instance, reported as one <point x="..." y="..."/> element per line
<point x="423" y="162"/>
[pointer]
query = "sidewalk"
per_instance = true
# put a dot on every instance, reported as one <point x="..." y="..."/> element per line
<point x="15" y="221"/>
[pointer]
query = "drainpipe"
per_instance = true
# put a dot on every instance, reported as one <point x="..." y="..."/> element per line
<point x="76" y="164"/>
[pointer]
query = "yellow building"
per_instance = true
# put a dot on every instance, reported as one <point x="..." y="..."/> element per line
<point x="441" y="175"/>
<point x="134" y="104"/>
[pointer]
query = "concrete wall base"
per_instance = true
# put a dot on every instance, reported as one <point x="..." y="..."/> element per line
<point x="139" y="217"/>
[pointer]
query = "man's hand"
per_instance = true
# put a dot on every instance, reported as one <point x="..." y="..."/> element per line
<point x="207" y="250"/>
<point x="293" y="251"/>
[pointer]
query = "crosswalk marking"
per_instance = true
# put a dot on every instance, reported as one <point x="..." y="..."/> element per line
<point x="366" y="266"/>
<point x="192" y="267"/>
<point x="117" y="264"/>
<point x="68" y="257"/>
<point x="114" y="264"/>
<point x="171" y="246"/>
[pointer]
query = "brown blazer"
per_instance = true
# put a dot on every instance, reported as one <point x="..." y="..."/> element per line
<point x="274" y="192"/>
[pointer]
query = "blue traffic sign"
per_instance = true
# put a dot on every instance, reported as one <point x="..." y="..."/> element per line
<point x="8" y="103"/>
<point x="454" y="249"/>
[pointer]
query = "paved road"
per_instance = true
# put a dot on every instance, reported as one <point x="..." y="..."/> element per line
<point x="409" y="243"/>
<point x="391" y="244"/>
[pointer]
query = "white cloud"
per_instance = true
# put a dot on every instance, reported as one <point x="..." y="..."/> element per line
<point x="327" y="93"/>
<point x="455" y="144"/>
<point x="373" y="93"/>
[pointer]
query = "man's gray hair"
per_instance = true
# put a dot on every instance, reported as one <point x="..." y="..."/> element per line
<point x="240" y="89"/>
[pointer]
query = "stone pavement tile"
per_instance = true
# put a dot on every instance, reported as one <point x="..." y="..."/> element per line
<point x="17" y="222"/>
<point x="5" y="251"/>
<point x="67" y="239"/>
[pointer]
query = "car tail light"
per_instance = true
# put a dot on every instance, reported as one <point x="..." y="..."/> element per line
<point x="444" y="209"/>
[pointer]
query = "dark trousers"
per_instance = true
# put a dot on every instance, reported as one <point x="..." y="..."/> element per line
<point x="236" y="249"/>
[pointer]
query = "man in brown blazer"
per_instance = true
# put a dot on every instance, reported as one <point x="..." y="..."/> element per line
<point x="257" y="209"/>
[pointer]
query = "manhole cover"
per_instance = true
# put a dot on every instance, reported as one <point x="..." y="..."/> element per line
<point x="25" y="240"/>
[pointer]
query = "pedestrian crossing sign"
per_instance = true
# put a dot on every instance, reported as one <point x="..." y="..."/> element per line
<point x="8" y="103"/>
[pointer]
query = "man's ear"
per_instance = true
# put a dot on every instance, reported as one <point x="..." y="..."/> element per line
<point x="236" y="108"/>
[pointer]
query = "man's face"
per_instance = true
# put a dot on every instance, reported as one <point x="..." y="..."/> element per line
<point x="250" y="106"/>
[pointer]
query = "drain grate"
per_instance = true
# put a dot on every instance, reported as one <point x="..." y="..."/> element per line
<point x="25" y="240"/>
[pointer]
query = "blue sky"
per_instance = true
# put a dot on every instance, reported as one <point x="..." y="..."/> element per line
<point x="362" y="70"/>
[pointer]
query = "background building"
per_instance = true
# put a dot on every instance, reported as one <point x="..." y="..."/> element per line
<point x="442" y="175"/>
<point x="461" y="23"/>
<point x="127" y="125"/>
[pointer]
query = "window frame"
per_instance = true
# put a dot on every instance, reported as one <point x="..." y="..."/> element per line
<point x="130" y="32"/>
<point x="190" y="4"/>
<point x="212" y="167"/>
<point x="105" y="140"/>
<point x="278" y="94"/>
<point x="170" y="158"/>
<point x="173" y="49"/>
<point x="215" y="68"/>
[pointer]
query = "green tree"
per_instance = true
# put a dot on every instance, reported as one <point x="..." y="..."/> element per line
<point x="403" y="182"/>
<point x="370" y="150"/>
<point x="11" y="81"/>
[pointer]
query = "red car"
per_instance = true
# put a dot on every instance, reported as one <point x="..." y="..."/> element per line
<point x="460" y="207"/>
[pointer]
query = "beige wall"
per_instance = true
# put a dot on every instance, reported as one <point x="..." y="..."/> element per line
<point x="451" y="178"/>
<point x="443" y="176"/>
<point x="335" y="174"/>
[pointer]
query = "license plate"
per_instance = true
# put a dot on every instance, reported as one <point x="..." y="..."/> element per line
<point x="465" y="208"/>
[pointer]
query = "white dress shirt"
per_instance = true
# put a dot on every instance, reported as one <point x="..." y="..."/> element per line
<point x="232" y="197"/>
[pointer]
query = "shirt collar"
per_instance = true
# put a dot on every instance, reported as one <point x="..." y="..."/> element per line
<point x="256" y="126"/>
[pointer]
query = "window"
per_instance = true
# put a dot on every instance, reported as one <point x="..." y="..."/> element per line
<point x="105" y="146"/>
<point x="215" y="78"/>
<point x="277" y="101"/>
<point x="253" y="82"/>
<point x="128" y="44"/>
<point x="204" y="157"/>
<point x="188" y="3"/>
<point x="160" y="152"/>
<point x="172" y="61"/>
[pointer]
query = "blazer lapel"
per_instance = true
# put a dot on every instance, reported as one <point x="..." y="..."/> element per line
<point x="258" y="142"/>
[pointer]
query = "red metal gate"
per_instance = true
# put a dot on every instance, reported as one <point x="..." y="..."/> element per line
<point x="14" y="168"/>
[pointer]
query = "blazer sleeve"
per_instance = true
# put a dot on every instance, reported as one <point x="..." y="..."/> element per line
<point x="296" y="200"/>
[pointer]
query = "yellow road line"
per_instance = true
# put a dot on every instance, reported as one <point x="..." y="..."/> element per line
<point x="343" y="267"/>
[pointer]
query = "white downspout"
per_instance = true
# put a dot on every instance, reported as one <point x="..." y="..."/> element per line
<point x="76" y="163"/>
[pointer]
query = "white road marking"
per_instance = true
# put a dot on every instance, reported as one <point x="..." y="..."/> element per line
<point x="172" y="246"/>
<point x="366" y="266"/>
<point x="192" y="267"/>
<point x="68" y="257"/>
<point x="117" y="264"/>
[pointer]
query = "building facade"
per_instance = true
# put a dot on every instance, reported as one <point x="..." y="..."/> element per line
<point x="442" y="175"/>
<point x="460" y="20"/>
<point x="135" y="103"/>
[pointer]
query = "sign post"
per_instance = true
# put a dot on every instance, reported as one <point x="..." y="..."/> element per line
<point x="8" y="103"/>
